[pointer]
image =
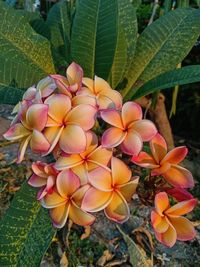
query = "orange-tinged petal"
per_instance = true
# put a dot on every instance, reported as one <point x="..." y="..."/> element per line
<point x="176" y="155"/>
<point x="84" y="99"/>
<point x="52" y="123"/>
<point x="88" y="83"/>
<point x="131" y="111"/>
<point x="158" y="147"/>
<point x="78" y="195"/>
<point x="128" y="190"/>
<point x="132" y="144"/>
<point x="92" y="143"/>
<point x="101" y="179"/>
<point x="68" y="161"/>
<point x="117" y="210"/>
<point x="161" y="169"/>
<point x="179" y="177"/>
<point x="81" y="171"/>
<point x="59" y="215"/>
<point x="53" y="200"/>
<point x="144" y="160"/>
<point x="115" y="96"/>
<point x="121" y="173"/>
<point x="100" y="85"/>
<point x="36" y="116"/>
<point x="46" y="86"/>
<point x="169" y="237"/>
<point x="86" y="91"/>
<point x="38" y="169"/>
<point x="16" y="132"/>
<point x="73" y="139"/>
<point x="104" y="102"/>
<point x="83" y="115"/>
<point x="59" y="106"/>
<point x="160" y="224"/>
<point x="161" y="203"/>
<point x="112" y="137"/>
<point x="67" y="183"/>
<point x="112" y="117"/>
<point x="184" y="228"/>
<point x="96" y="200"/>
<point x="100" y="156"/>
<point x="145" y="128"/>
<point x="37" y="181"/>
<point x="182" y="207"/>
<point x="74" y="74"/>
<point x="53" y="134"/>
<point x="39" y="143"/>
<point x="79" y="216"/>
<point x="22" y="148"/>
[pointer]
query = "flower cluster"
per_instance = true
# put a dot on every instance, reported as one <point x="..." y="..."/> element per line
<point x="63" y="116"/>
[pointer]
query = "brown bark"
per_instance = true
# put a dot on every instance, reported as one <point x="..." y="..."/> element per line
<point x="159" y="116"/>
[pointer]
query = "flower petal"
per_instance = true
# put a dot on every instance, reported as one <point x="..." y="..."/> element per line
<point x="53" y="134"/>
<point x="80" y="217"/>
<point x="158" y="147"/>
<point x="100" y="156"/>
<point x="89" y="83"/>
<point x="131" y="111"/>
<point x="22" y="148"/>
<point x="112" y="137"/>
<point x="53" y="200"/>
<point x="36" y="116"/>
<point x="101" y="179"/>
<point x="115" y="97"/>
<point x="84" y="99"/>
<point x="176" y="155"/>
<point x="179" y="177"/>
<point x="83" y="115"/>
<point x="74" y="74"/>
<point x="59" y="215"/>
<point x="118" y="209"/>
<point x="168" y="238"/>
<point x="144" y="160"/>
<point x="78" y="195"/>
<point x="59" y="106"/>
<point x="73" y="139"/>
<point x="67" y="183"/>
<point x="38" y="142"/>
<point x="112" y="117"/>
<point x="132" y="144"/>
<point x="104" y="102"/>
<point x="100" y="85"/>
<point x="161" y="203"/>
<point x="184" y="228"/>
<point x="37" y="181"/>
<point x="179" y="194"/>
<point x="182" y="207"/>
<point x="69" y="161"/>
<point x="96" y="200"/>
<point x="160" y="224"/>
<point x="128" y="190"/>
<point x="121" y="173"/>
<point x="145" y="128"/>
<point x="38" y="169"/>
<point x="16" y="132"/>
<point x="81" y="171"/>
<point x="46" y="86"/>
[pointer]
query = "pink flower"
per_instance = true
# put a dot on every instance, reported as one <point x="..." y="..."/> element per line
<point x="111" y="189"/>
<point x="166" y="164"/>
<point x="168" y="223"/>
<point x="128" y="129"/>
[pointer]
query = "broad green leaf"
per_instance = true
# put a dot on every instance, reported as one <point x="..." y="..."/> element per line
<point x="163" y="45"/>
<point x="25" y="231"/>
<point x="94" y="36"/>
<point x="59" y="24"/>
<point x="185" y="75"/>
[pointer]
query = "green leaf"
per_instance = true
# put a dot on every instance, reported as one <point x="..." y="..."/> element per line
<point x="185" y="75"/>
<point x="25" y="231"/>
<point x="59" y="24"/>
<point x="94" y="36"/>
<point x="163" y="45"/>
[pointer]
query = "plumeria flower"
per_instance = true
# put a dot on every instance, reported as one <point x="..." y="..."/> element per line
<point x="128" y="129"/>
<point x="72" y="82"/>
<point x="29" y="130"/>
<point x="166" y="164"/>
<point x="100" y="92"/>
<point x="110" y="191"/>
<point x="93" y="157"/>
<point x="44" y="176"/>
<point x="168" y="223"/>
<point x="67" y="126"/>
<point x="65" y="201"/>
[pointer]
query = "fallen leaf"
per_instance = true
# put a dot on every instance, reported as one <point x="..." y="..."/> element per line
<point x="87" y="232"/>
<point x="104" y="258"/>
<point x="64" y="261"/>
